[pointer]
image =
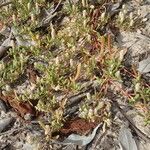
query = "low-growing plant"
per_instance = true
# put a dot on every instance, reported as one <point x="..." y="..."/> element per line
<point x="71" y="52"/>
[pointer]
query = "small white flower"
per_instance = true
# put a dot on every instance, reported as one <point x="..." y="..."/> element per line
<point x="84" y="23"/>
<point x="2" y="66"/>
<point x="103" y="16"/>
<point x="32" y="17"/>
<point x="84" y="13"/>
<point x="123" y="6"/>
<point x="21" y="57"/>
<point x="92" y="6"/>
<point x="47" y="129"/>
<point x="131" y="15"/>
<point x="88" y="37"/>
<point x="41" y="88"/>
<point x="82" y="114"/>
<point x="33" y="86"/>
<point x="95" y="111"/>
<point x="139" y="12"/>
<point x="4" y="93"/>
<point x="124" y="9"/>
<point x="137" y="87"/>
<point x="10" y="6"/>
<point x="53" y="34"/>
<point x="121" y="17"/>
<point x="13" y="44"/>
<point x="117" y="74"/>
<point x="29" y="6"/>
<point x="100" y="105"/>
<point x="88" y="95"/>
<point x="73" y="7"/>
<point x="131" y="23"/>
<point x="84" y="3"/>
<point x="37" y="8"/>
<point x="14" y="18"/>
<point x="90" y="113"/>
<point x="7" y="88"/>
<point x="38" y="79"/>
<point x="71" y="63"/>
<point x="57" y="62"/>
<point x="7" y="8"/>
<point x="56" y="88"/>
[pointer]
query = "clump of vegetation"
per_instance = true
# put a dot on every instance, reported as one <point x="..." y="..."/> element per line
<point x="64" y="55"/>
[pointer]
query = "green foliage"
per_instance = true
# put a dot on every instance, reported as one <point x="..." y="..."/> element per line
<point x="67" y="58"/>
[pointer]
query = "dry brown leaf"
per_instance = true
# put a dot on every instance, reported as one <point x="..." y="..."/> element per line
<point x="22" y="108"/>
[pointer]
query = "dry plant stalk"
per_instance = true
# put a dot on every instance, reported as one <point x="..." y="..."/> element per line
<point x="77" y="73"/>
<point x="109" y="43"/>
<point x="102" y="48"/>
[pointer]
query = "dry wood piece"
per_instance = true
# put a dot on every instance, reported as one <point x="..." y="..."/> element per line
<point x="22" y="108"/>
<point x="77" y="125"/>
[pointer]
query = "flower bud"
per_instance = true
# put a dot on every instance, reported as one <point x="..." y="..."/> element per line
<point x="71" y="63"/>
<point x="29" y="6"/>
<point x="13" y="44"/>
<point x="57" y="61"/>
<point x="2" y="66"/>
<point x="117" y="74"/>
<point x="121" y="17"/>
<point x="84" y="23"/>
<point x="14" y="18"/>
<point x="37" y="8"/>
<point x="32" y="17"/>
<point x="6" y="8"/>
<point x="47" y="129"/>
<point x="103" y="16"/>
<point x="53" y="34"/>
<point x="92" y="6"/>
<point x="4" y="93"/>
<point x="124" y="9"/>
<point x="131" y="23"/>
<point x="7" y="88"/>
<point x="21" y="57"/>
<point x="88" y="95"/>
<point x="90" y="113"/>
<point x="84" y="13"/>
<point x="131" y="15"/>
<point x="131" y="19"/>
<point x="84" y="3"/>
<point x="137" y="87"/>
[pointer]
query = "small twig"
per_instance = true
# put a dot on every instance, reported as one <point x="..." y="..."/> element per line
<point x="138" y="131"/>
<point x="60" y="1"/>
